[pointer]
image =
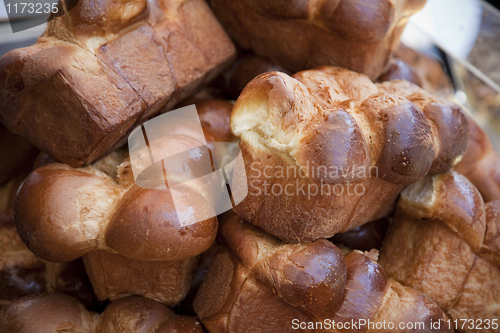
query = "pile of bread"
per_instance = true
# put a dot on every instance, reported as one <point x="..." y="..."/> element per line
<point x="373" y="200"/>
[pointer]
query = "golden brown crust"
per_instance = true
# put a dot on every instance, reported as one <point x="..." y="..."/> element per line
<point x="444" y="242"/>
<point x="256" y="276"/>
<point x="59" y="197"/>
<point x="142" y="56"/>
<point x="333" y="150"/>
<point x="448" y="122"/>
<point x="129" y="234"/>
<point x="79" y="213"/>
<point x="114" y="276"/>
<point x="303" y="34"/>
<point x="48" y="313"/>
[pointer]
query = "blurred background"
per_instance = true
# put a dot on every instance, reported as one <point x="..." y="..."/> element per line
<point x="465" y="36"/>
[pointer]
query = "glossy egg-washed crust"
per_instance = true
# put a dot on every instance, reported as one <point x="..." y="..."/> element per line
<point x="49" y="313"/>
<point x="301" y="34"/>
<point x="445" y="242"/>
<point x="260" y="284"/>
<point x="129" y="236"/>
<point x="333" y="128"/>
<point x="105" y="67"/>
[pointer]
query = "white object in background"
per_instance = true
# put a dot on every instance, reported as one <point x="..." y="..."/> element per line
<point x="467" y="30"/>
<point x="453" y="24"/>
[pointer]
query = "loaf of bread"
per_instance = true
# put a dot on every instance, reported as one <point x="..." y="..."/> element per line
<point x="481" y="164"/>
<point x="327" y="150"/>
<point x="129" y="235"/>
<point x="302" y="34"/>
<point x="445" y="242"/>
<point x="103" y="68"/>
<point x="259" y="284"/>
<point x="50" y="313"/>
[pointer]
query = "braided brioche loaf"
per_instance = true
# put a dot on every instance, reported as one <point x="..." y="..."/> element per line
<point x="326" y="150"/>
<point x="259" y="284"/>
<point x="445" y="242"/>
<point x="54" y="312"/>
<point x="104" y="67"/>
<point x="130" y="236"/>
<point x="302" y="34"/>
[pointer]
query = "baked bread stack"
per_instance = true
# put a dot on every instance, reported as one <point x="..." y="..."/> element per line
<point x="327" y="157"/>
<point x="129" y="234"/>
<point x="103" y="68"/>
